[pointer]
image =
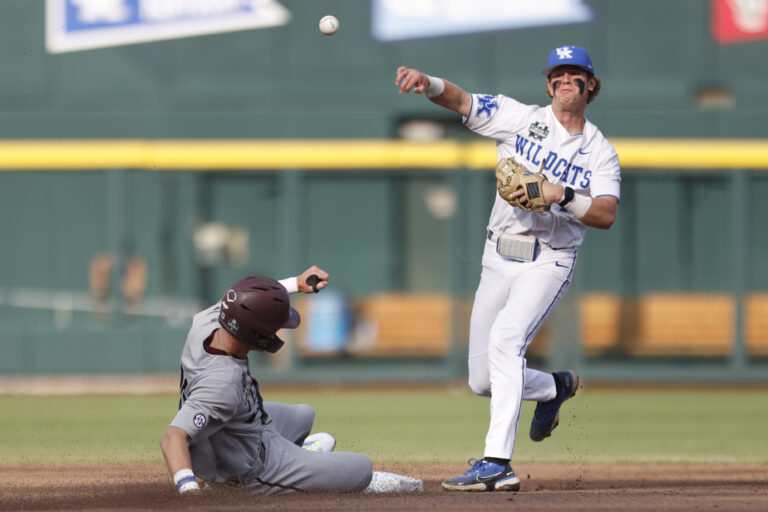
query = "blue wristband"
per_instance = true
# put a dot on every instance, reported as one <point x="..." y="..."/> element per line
<point x="185" y="481"/>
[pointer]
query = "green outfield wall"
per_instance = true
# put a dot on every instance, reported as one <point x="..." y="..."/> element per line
<point x="278" y="148"/>
<point x="368" y="220"/>
<point x="658" y="61"/>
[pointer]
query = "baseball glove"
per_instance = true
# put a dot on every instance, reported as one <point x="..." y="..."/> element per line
<point x="511" y="175"/>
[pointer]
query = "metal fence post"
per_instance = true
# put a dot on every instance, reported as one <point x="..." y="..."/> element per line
<point x="290" y="236"/>
<point x="455" y="360"/>
<point x="739" y="205"/>
<point x="290" y="221"/>
<point x="117" y="237"/>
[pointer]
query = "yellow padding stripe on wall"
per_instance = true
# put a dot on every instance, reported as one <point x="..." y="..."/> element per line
<point x="692" y="153"/>
<point x="349" y="154"/>
<point x="227" y="154"/>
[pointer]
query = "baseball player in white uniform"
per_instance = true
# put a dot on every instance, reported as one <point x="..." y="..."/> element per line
<point x="224" y="433"/>
<point x="529" y="256"/>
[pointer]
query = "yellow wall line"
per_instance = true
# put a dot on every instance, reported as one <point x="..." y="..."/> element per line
<point x="349" y="154"/>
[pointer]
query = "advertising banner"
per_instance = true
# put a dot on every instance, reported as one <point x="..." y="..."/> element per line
<point x="398" y="20"/>
<point x="85" y="24"/>
<point x="734" y="21"/>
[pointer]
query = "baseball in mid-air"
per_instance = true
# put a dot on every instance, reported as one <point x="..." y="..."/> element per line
<point x="328" y="25"/>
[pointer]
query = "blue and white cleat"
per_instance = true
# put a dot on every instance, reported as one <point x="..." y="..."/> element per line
<point x="321" y="442"/>
<point x="484" y="476"/>
<point x="547" y="414"/>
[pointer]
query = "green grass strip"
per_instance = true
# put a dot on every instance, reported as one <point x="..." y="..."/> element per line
<point x="417" y="426"/>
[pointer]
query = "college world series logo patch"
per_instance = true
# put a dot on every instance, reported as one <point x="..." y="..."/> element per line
<point x="538" y="130"/>
<point x="199" y="420"/>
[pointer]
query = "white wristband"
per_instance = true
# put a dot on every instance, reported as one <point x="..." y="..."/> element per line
<point x="188" y="486"/>
<point x="579" y="205"/>
<point x="291" y="284"/>
<point x="184" y="480"/>
<point x="435" y="88"/>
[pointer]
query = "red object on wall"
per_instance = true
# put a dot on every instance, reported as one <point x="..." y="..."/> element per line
<point x="739" y="20"/>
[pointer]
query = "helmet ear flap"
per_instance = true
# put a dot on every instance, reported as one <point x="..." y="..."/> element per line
<point x="270" y="344"/>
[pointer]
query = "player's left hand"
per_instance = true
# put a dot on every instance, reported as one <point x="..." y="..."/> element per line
<point x="302" y="279"/>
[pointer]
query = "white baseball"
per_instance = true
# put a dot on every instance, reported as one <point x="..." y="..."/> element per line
<point x="328" y="25"/>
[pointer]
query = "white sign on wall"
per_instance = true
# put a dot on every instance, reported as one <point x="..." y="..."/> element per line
<point x="398" y="20"/>
<point x="84" y="24"/>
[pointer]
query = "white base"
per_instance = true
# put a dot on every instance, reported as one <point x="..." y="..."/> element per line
<point x="383" y="482"/>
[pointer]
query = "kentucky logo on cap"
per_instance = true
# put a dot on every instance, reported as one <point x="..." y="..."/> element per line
<point x="564" y="52"/>
<point x="568" y="55"/>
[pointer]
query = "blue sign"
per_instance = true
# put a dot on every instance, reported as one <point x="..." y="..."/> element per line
<point x="84" y="24"/>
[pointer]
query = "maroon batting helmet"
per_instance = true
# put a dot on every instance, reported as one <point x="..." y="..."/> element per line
<point x="254" y="309"/>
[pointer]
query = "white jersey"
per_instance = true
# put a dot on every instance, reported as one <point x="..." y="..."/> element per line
<point x="532" y="134"/>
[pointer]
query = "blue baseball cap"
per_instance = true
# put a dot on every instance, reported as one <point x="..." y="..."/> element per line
<point x="568" y="55"/>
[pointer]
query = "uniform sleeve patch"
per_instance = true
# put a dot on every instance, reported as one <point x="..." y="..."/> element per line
<point x="199" y="420"/>
<point x="486" y="104"/>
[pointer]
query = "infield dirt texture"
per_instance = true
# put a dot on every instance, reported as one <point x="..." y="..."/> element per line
<point x="554" y="487"/>
<point x="615" y="450"/>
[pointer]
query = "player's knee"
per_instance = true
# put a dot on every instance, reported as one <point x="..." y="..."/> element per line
<point x="306" y="411"/>
<point x="509" y="346"/>
<point x="305" y="415"/>
<point x="480" y="385"/>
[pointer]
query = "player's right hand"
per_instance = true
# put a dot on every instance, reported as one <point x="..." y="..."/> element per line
<point x="320" y="273"/>
<point x="411" y="79"/>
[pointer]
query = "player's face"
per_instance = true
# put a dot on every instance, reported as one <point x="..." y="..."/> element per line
<point x="569" y="84"/>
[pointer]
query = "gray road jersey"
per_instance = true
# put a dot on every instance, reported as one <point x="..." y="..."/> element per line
<point x="220" y="408"/>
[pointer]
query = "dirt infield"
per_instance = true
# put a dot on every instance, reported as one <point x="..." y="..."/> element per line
<point x="545" y="487"/>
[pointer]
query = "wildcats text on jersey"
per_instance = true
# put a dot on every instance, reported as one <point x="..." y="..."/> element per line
<point x="562" y="169"/>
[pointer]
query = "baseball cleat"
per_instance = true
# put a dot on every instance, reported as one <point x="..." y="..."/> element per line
<point x="484" y="476"/>
<point x="547" y="414"/>
<point x="320" y="443"/>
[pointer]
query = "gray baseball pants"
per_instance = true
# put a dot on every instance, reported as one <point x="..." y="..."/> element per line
<point x="286" y="467"/>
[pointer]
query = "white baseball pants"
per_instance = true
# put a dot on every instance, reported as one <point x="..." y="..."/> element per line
<point x="512" y="302"/>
